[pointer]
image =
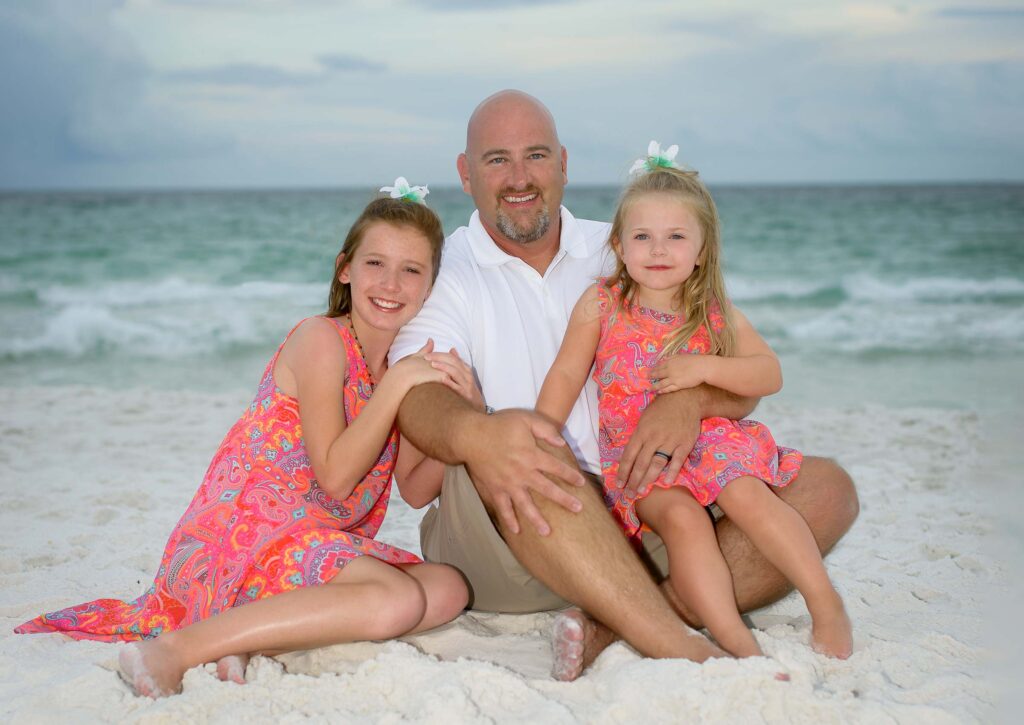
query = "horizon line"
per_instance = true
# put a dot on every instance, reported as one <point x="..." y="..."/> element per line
<point x="170" y="189"/>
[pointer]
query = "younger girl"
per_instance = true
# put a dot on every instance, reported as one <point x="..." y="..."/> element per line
<point x="660" y="323"/>
<point x="283" y="523"/>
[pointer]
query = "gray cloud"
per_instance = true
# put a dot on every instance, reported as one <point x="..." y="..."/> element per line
<point x="344" y="62"/>
<point x="76" y="95"/>
<point x="481" y="5"/>
<point x="244" y="74"/>
<point x="268" y="76"/>
<point x="991" y="12"/>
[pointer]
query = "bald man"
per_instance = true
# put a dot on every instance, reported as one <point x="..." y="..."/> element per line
<point x="516" y="515"/>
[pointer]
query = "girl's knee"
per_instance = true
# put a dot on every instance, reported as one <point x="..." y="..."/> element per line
<point x="744" y="494"/>
<point x="446" y="592"/>
<point x="400" y="605"/>
<point x="673" y="511"/>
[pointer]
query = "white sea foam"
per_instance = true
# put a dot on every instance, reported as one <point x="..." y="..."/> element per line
<point x="860" y="327"/>
<point x="176" y="290"/>
<point x="939" y="289"/>
<point x="868" y="287"/>
<point x="748" y="289"/>
<point x="169" y="318"/>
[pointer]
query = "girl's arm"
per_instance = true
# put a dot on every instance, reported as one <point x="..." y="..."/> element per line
<point x="569" y="371"/>
<point x="419" y="477"/>
<point x="342" y="454"/>
<point x="753" y="370"/>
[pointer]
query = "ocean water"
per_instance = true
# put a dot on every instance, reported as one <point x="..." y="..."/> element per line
<point x="901" y="295"/>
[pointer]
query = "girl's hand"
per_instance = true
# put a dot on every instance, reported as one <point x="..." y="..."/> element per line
<point x="416" y="369"/>
<point x="679" y="371"/>
<point x="460" y="376"/>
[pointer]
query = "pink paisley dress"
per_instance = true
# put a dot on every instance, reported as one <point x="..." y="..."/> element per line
<point x="259" y="524"/>
<point x="630" y="340"/>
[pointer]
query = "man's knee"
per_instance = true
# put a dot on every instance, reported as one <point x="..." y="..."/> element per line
<point x="841" y="490"/>
<point x="562" y="453"/>
<point x="830" y="499"/>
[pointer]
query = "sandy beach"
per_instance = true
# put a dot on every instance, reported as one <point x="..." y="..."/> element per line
<point x="94" y="480"/>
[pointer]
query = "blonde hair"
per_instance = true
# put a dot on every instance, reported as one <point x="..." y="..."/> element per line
<point x="399" y="213"/>
<point x="704" y="288"/>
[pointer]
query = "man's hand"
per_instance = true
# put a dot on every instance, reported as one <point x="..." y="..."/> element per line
<point x="506" y="462"/>
<point x="670" y="424"/>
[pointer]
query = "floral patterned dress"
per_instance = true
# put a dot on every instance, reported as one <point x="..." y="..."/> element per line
<point x="631" y="338"/>
<point x="259" y="524"/>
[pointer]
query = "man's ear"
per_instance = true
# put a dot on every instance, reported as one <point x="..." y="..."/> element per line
<point x="565" y="166"/>
<point x="462" y="164"/>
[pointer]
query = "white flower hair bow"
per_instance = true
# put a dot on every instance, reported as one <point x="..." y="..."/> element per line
<point x="655" y="158"/>
<point x="402" y="190"/>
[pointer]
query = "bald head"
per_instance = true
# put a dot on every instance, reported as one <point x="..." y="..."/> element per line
<point x="508" y="107"/>
<point x="515" y="169"/>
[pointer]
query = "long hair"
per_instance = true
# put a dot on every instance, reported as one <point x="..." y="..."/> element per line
<point x="397" y="212"/>
<point x="704" y="289"/>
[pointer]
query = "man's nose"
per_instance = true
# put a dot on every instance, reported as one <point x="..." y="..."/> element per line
<point x="520" y="177"/>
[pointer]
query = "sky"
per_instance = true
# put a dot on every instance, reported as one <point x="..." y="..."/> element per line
<point x="323" y="93"/>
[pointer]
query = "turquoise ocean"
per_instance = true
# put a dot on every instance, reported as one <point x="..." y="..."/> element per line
<point x="899" y="295"/>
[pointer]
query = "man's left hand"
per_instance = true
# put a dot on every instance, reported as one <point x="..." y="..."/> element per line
<point x="670" y="425"/>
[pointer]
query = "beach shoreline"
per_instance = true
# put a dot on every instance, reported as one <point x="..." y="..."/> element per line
<point x="97" y="478"/>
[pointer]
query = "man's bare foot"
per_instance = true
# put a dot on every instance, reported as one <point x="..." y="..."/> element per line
<point x="232" y="668"/>
<point x="739" y="643"/>
<point x="831" y="631"/>
<point x="576" y="641"/>
<point x="150" y="668"/>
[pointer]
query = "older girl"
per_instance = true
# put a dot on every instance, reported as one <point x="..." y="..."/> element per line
<point x="283" y="523"/>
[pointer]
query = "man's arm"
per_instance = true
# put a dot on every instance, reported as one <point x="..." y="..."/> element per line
<point x="671" y="424"/>
<point x="500" y="451"/>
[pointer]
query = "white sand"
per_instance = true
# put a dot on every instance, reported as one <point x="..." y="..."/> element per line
<point x="92" y="483"/>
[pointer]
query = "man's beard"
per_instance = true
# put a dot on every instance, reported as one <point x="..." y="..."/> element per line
<point x="531" y="231"/>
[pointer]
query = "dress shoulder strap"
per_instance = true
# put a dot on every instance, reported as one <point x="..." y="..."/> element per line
<point x="716" y="316"/>
<point x="352" y="356"/>
<point x="607" y="296"/>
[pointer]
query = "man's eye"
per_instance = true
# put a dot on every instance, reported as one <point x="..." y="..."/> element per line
<point x="496" y="160"/>
<point x="537" y="155"/>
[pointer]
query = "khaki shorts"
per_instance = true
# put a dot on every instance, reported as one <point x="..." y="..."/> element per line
<point x="458" y="531"/>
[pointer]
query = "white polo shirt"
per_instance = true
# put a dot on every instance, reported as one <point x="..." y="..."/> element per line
<point x="507" y="321"/>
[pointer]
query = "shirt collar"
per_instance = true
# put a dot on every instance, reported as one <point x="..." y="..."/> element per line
<point x="488" y="254"/>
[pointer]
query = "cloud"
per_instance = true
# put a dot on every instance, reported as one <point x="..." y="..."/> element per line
<point x="244" y="74"/>
<point x="76" y="92"/>
<point x="268" y="76"/>
<point x="982" y="13"/>
<point x="480" y="5"/>
<point x="345" y="62"/>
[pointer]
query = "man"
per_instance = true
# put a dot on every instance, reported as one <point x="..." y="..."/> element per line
<point x="517" y="517"/>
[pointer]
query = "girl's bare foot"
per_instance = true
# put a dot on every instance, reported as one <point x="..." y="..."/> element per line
<point x="232" y="668"/>
<point x="576" y="641"/>
<point x="831" y="631"/>
<point x="150" y="668"/>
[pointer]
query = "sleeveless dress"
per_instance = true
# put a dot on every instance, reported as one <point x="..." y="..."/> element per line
<point x="631" y="338"/>
<point x="259" y="524"/>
